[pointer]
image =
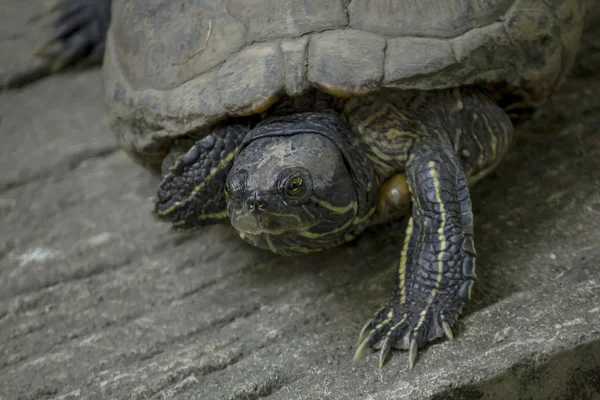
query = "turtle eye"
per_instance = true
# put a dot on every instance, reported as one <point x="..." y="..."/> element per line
<point x="295" y="187"/>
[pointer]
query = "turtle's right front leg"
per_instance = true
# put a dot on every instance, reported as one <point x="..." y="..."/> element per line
<point x="192" y="193"/>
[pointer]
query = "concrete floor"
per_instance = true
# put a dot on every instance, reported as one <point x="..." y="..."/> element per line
<point x="98" y="301"/>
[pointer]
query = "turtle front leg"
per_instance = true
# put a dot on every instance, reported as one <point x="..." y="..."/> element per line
<point x="436" y="268"/>
<point x="458" y="135"/>
<point x="192" y="193"/>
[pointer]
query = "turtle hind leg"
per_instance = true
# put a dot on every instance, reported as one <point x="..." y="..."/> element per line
<point x="80" y="34"/>
<point x="79" y="37"/>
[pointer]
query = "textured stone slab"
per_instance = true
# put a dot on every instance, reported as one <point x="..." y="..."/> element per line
<point x="52" y="130"/>
<point x="98" y="301"/>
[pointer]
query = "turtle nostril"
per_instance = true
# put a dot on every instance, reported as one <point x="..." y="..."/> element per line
<point x="255" y="201"/>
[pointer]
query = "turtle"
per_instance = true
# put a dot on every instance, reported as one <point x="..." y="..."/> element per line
<point x="301" y="124"/>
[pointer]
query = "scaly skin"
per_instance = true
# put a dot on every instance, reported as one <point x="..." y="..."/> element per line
<point x="451" y="135"/>
<point x="192" y="194"/>
<point x="438" y="139"/>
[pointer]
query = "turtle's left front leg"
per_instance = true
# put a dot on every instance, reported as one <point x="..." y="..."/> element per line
<point x="437" y="265"/>
<point x="79" y="36"/>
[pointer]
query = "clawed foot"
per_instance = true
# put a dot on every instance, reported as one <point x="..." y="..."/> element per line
<point x="408" y="326"/>
<point x="79" y="35"/>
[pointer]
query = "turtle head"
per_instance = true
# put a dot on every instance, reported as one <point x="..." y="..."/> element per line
<point x="292" y="188"/>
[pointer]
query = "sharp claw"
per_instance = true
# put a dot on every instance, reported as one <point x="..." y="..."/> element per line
<point x="385" y="351"/>
<point x="364" y="332"/>
<point x="447" y="330"/>
<point x="364" y="345"/>
<point x="412" y="353"/>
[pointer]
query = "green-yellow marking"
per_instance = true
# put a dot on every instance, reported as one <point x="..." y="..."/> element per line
<point x="442" y="238"/>
<point x="364" y="218"/>
<point x="476" y="138"/>
<point x="311" y="235"/>
<point x="202" y="184"/>
<point x="393" y="328"/>
<point x="378" y="161"/>
<point x="175" y="165"/>
<point x="348" y="237"/>
<point x="471" y="283"/>
<point x="393" y="133"/>
<point x="270" y="243"/>
<point x="219" y="215"/>
<point x="388" y="318"/>
<point x="292" y="216"/>
<point x="355" y="221"/>
<point x="303" y="250"/>
<point x="376" y="115"/>
<point x="307" y="211"/>
<point x="383" y="156"/>
<point x="457" y="135"/>
<point x="424" y="312"/>
<point x="336" y="209"/>
<point x="403" y="260"/>
<point x="441" y="233"/>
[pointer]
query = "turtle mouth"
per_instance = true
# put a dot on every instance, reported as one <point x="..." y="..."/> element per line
<point x="262" y="223"/>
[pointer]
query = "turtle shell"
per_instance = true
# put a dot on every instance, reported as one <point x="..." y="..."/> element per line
<point x="176" y="68"/>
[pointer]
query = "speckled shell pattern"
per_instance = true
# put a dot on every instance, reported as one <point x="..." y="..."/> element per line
<point x="173" y="68"/>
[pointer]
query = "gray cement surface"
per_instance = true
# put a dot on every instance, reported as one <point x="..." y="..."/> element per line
<point x="98" y="301"/>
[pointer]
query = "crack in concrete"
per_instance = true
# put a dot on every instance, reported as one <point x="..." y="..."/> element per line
<point x="69" y="163"/>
